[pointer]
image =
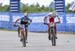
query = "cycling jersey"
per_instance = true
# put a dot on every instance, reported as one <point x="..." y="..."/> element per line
<point x="51" y="19"/>
<point x="24" y="20"/>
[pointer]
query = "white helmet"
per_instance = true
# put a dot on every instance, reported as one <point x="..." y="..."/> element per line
<point x="25" y="14"/>
<point x="54" y="13"/>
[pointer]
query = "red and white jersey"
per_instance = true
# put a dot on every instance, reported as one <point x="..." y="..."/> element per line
<point x="48" y="20"/>
<point x="51" y="20"/>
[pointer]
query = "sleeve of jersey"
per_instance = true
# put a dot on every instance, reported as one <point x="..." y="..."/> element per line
<point x="29" y="19"/>
<point x="56" y="19"/>
<point x="21" y="18"/>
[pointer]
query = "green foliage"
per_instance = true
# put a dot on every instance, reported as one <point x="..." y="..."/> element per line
<point x="32" y="8"/>
<point x="4" y="8"/>
<point x="67" y="9"/>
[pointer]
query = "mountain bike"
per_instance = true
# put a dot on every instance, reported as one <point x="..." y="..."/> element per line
<point x="23" y="35"/>
<point x="52" y="34"/>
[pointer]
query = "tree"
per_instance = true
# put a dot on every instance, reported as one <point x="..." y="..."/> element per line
<point x="32" y="8"/>
<point x="6" y="8"/>
<point x="67" y="8"/>
<point x="37" y="4"/>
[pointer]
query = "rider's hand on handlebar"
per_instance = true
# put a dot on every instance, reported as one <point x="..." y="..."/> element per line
<point x="45" y="23"/>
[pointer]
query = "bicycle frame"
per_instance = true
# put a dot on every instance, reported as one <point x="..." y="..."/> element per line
<point x="23" y="35"/>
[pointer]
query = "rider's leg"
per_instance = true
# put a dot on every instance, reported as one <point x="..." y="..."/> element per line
<point x="19" y="31"/>
<point x="55" y="32"/>
<point x="22" y="32"/>
<point x="49" y="35"/>
<point x="26" y="31"/>
<point x="26" y="35"/>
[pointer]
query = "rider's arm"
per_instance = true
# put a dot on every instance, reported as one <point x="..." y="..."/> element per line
<point x="30" y="20"/>
<point x="57" y="19"/>
<point x="17" y="21"/>
<point x="45" y="18"/>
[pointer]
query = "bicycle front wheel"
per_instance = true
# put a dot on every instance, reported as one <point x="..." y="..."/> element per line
<point x="24" y="41"/>
<point x="53" y="39"/>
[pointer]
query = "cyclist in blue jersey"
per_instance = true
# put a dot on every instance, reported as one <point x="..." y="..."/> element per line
<point x="24" y="22"/>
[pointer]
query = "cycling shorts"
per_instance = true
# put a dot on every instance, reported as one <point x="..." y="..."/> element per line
<point x="22" y="22"/>
<point x="23" y="27"/>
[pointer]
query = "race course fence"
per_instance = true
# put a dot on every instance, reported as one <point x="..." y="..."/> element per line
<point x="7" y="19"/>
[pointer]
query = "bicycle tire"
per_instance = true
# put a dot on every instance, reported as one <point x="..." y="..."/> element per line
<point x="24" y="41"/>
<point x="53" y="39"/>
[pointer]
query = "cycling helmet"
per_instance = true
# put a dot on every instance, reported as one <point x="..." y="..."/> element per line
<point x="25" y="14"/>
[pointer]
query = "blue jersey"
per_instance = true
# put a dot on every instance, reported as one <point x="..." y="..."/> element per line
<point x="24" y="20"/>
